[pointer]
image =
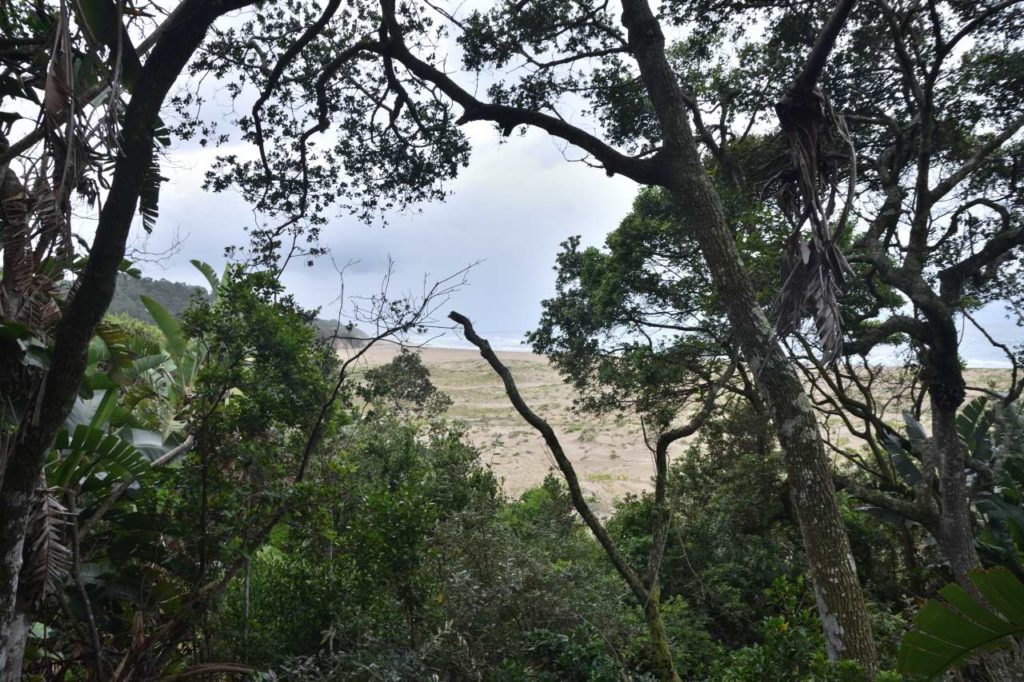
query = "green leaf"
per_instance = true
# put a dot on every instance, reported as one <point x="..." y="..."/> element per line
<point x="89" y="451"/>
<point x="100" y="19"/>
<point x="973" y="424"/>
<point x="208" y="273"/>
<point x="149" y="193"/>
<point x="951" y="628"/>
<point x="915" y="434"/>
<point x="902" y="462"/>
<point x="14" y="330"/>
<point x="105" y="408"/>
<point x="128" y="268"/>
<point x="174" y="336"/>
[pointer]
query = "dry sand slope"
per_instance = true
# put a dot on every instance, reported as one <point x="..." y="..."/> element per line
<point x="609" y="452"/>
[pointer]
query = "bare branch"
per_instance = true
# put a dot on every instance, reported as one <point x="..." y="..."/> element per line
<point x="566" y="467"/>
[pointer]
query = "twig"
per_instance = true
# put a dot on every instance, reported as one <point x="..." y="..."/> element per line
<point x="76" y="573"/>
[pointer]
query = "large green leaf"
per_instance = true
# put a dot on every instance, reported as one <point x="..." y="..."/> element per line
<point x="174" y="336"/>
<point x="955" y="626"/>
<point x="88" y="450"/>
<point x="973" y="424"/>
<point x="902" y="461"/>
<point x="208" y="273"/>
<point x="915" y="434"/>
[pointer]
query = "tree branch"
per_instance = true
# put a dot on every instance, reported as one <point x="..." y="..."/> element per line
<point x="808" y="77"/>
<point x="645" y="171"/>
<point x="978" y="158"/>
<point x="568" y="471"/>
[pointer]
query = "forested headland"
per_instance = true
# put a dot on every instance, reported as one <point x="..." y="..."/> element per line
<point x="225" y="482"/>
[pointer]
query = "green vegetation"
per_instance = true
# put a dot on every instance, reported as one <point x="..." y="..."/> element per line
<point x="197" y="484"/>
<point x="174" y="296"/>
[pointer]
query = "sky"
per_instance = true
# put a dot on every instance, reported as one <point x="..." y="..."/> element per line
<point x="510" y="210"/>
<point x="508" y="213"/>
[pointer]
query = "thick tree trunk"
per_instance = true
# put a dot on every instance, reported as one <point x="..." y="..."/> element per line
<point x="840" y="601"/>
<point x="946" y="392"/>
<point x="955" y="533"/>
<point x="16" y="640"/>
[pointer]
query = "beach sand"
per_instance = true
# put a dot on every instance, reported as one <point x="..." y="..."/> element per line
<point x="608" y="453"/>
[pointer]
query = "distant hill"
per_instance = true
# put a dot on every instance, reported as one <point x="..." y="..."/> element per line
<point x="175" y="296"/>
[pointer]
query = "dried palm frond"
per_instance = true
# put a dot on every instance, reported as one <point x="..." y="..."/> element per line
<point x="14" y="230"/>
<point x="47" y="559"/>
<point x="814" y="270"/>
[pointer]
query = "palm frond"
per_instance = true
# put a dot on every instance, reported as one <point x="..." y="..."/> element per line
<point x="149" y="195"/>
<point x="47" y="559"/>
<point x="814" y="269"/>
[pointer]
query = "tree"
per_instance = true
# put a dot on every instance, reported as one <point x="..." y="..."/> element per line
<point x="47" y="43"/>
<point x="396" y="124"/>
<point x="403" y="385"/>
<point x="909" y="296"/>
<point x="948" y="230"/>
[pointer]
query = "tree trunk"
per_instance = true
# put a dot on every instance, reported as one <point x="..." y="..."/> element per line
<point x="12" y="540"/>
<point x="18" y="636"/>
<point x="660" y="650"/>
<point x="47" y="405"/>
<point x="946" y="392"/>
<point x="955" y="531"/>
<point x="840" y="601"/>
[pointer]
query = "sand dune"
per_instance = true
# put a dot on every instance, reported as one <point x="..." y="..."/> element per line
<point x="609" y="453"/>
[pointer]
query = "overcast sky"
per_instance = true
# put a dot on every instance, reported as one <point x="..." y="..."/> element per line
<point x="510" y="209"/>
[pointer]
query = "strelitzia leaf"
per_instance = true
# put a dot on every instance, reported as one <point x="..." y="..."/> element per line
<point x="174" y="336"/>
<point x="955" y="626"/>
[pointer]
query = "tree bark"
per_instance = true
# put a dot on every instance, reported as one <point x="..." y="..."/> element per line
<point x="955" y="531"/>
<point x="14" y="646"/>
<point x="662" y="654"/>
<point x="837" y="590"/>
<point x="946" y="392"/>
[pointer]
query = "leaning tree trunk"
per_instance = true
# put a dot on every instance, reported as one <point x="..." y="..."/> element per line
<point x="840" y="601"/>
<point x="49" y="404"/>
<point x="837" y="590"/>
